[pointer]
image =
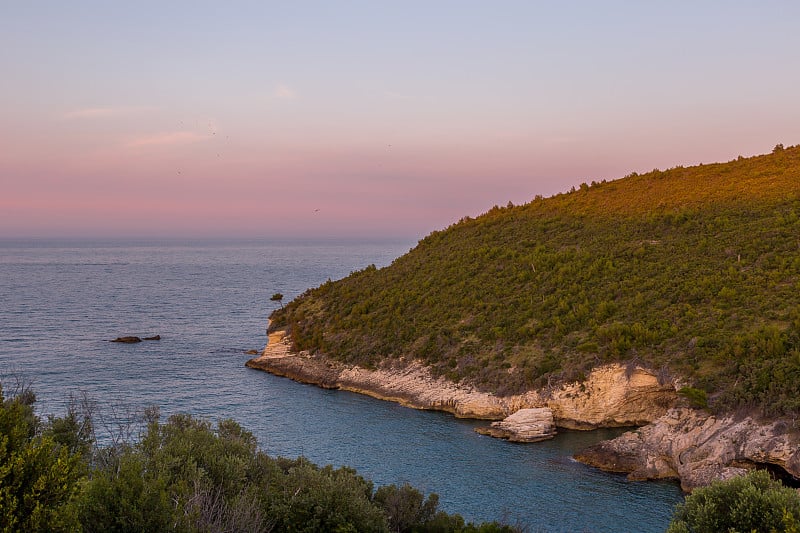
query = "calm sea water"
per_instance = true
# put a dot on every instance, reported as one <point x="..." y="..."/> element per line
<point x="62" y="302"/>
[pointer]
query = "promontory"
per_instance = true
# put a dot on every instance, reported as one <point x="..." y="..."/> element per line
<point x="668" y="300"/>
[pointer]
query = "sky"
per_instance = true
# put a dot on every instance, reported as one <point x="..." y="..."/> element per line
<point x="373" y="119"/>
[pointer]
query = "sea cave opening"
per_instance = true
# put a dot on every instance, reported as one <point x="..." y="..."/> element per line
<point x="779" y="473"/>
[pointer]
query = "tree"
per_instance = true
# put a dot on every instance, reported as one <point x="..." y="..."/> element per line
<point x="185" y="475"/>
<point x="754" y="502"/>
<point x="125" y="498"/>
<point x="277" y="297"/>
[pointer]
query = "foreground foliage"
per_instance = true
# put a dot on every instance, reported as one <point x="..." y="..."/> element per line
<point x="751" y="503"/>
<point x="186" y="475"/>
<point x="690" y="271"/>
<point x="39" y="473"/>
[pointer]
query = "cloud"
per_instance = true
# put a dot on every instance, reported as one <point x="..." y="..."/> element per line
<point x="284" y="92"/>
<point x="104" y="112"/>
<point x="169" y="138"/>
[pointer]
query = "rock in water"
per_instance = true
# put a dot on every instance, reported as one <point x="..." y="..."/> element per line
<point x="128" y="340"/>
<point x="153" y="338"/>
<point x="526" y="425"/>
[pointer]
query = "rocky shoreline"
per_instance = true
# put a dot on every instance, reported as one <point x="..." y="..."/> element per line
<point x="697" y="448"/>
<point x="611" y="396"/>
<point x="675" y="442"/>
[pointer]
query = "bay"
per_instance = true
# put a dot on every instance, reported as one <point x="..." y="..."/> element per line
<point x="62" y="301"/>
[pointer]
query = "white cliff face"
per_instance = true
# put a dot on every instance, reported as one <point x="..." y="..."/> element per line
<point x="612" y="396"/>
<point x="697" y="448"/>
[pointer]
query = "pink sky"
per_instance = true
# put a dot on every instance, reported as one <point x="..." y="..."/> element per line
<point x="305" y="121"/>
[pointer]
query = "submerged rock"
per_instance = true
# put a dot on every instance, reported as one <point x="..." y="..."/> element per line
<point x="127" y="340"/>
<point x="526" y="425"/>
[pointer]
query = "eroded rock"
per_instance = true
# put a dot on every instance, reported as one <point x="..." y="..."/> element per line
<point x="697" y="448"/>
<point x="612" y="396"/>
<point x="526" y="425"/>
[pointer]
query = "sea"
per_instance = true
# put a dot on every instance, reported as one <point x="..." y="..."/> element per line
<point x="62" y="301"/>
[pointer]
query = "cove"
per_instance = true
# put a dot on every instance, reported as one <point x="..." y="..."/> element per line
<point x="209" y="301"/>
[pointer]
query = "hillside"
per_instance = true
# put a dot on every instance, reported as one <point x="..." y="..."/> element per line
<point x="694" y="272"/>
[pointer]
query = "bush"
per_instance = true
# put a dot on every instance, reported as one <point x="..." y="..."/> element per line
<point x="754" y="502"/>
<point x="697" y="397"/>
<point x="406" y="507"/>
<point x="186" y="475"/>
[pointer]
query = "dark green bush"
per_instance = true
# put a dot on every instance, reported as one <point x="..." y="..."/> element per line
<point x="697" y="397"/>
<point x="751" y="503"/>
<point x="186" y="475"/>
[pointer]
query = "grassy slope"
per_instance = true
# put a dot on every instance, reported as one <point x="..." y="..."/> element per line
<point x="694" y="271"/>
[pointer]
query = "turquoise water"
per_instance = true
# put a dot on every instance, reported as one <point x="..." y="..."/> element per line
<point x="62" y="302"/>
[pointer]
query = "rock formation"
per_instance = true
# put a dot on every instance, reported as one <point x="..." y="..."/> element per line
<point x="526" y="425"/>
<point x="612" y="396"/>
<point x="698" y="448"/>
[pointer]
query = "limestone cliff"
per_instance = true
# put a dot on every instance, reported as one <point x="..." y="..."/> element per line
<point x="611" y="395"/>
<point x="697" y="448"/>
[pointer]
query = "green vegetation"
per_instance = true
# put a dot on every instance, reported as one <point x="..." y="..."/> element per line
<point x="39" y="473"/>
<point x="690" y="271"/>
<point x="747" y="503"/>
<point x="697" y="397"/>
<point x="185" y="475"/>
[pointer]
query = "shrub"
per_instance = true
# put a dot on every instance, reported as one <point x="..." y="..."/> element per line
<point x="754" y="502"/>
<point x="697" y="397"/>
